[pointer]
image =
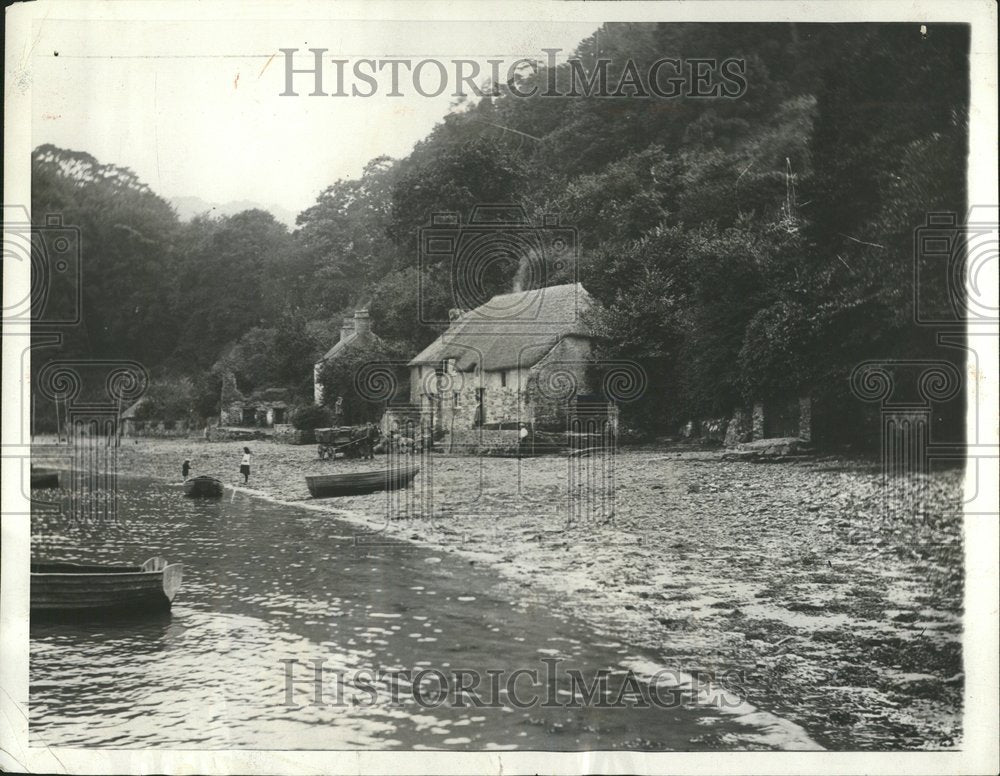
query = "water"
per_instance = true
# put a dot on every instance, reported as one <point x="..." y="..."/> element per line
<point x="272" y="591"/>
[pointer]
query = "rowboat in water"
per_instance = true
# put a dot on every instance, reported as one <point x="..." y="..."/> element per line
<point x="359" y="483"/>
<point x="44" y="478"/>
<point x="79" y="588"/>
<point x="203" y="487"/>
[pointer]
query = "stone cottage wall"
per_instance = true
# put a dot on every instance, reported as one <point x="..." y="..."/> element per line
<point x="511" y="396"/>
<point x="556" y="380"/>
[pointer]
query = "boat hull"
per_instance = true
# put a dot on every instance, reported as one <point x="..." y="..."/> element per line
<point x="203" y="487"/>
<point x="84" y="589"/>
<point x="42" y="478"/>
<point x="360" y="483"/>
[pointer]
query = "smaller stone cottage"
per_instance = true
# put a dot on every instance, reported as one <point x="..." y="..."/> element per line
<point x="353" y="331"/>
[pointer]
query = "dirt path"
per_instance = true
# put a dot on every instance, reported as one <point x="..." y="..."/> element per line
<point x="784" y="582"/>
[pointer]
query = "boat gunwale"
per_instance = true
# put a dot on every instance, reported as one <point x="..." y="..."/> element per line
<point x="372" y="476"/>
<point x="90" y="574"/>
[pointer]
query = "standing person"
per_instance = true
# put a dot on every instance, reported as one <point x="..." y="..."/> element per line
<point x="522" y="440"/>
<point x="245" y="465"/>
<point x="186" y="468"/>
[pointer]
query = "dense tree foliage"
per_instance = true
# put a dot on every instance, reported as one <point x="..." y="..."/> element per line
<point x="364" y="378"/>
<point x="740" y="247"/>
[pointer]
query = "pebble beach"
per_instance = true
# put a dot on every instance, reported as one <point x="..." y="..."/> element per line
<point x="786" y="582"/>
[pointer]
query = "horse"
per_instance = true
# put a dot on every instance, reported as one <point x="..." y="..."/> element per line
<point x="364" y="440"/>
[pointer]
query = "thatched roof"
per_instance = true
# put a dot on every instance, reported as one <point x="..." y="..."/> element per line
<point x="512" y="330"/>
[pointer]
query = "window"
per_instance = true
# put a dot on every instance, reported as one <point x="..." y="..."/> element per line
<point x="503" y="378"/>
<point x="458" y="399"/>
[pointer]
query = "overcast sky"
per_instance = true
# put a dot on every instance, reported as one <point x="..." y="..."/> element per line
<point x="194" y="107"/>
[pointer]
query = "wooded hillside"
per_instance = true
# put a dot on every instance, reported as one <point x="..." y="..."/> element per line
<point x="739" y="247"/>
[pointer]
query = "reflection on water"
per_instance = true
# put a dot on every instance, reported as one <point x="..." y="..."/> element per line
<point x="264" y="584"/>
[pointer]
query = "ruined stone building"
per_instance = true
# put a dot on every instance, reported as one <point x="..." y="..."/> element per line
<point x="263" y="408"/>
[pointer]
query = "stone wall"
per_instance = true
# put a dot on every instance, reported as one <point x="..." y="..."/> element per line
<point x="714" y="430"/>
<point x="486" y="442"/>
<point x="287" y="434"/>
<point x="231" y="434"/>
<point x="798" y="411"/>
<point x="751" y="424"/>
<point x="740" y="428"/>
<point x="509" y="395"/>
<point x="757" y="420"/>
<point x="557" y="380"/>
<point x="157" y="428"/>
<point x="805" y="419"/>
<point x="455" y="404"/>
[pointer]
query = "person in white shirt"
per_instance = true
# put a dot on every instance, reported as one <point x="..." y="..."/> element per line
<point x="245" y="465"/>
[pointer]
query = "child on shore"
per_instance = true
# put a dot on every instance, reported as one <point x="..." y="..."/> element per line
<point x="245" y="465"/>
<point x="186" y="468"/>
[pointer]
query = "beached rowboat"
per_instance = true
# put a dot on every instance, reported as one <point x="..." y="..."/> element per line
<point x="74" y="587"/>
<point x="203" y="487"/>
<point x="44" y="478"/>
<point x="358" y="483"/>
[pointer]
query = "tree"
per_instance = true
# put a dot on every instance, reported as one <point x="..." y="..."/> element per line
<point x="124" y="234"/>
<point x="342" y="244"/>
<point x="232" y="278"/>
<point x="365" y="377"/>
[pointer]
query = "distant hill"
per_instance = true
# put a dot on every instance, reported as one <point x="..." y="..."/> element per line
<point x="188" y="207"/>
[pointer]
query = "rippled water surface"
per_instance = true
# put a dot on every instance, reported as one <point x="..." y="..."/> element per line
<point x="266" y="584"/>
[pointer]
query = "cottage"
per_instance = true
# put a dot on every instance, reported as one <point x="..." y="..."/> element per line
<point x="519" y="358"/>
<point x="353" y="331"/>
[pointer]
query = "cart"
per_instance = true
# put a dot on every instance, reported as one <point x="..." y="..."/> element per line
<point x="348" y="441"/>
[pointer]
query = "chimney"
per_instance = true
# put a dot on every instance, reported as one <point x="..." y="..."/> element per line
<point x="362" y="324"/>
<point x="346" y="328"/>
